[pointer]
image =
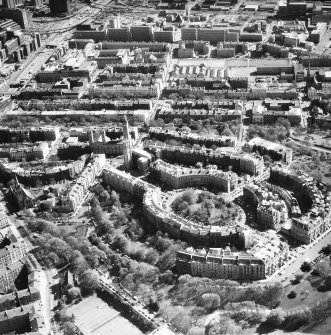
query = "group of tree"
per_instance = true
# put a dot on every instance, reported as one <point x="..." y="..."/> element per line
<point x="142" y="262"/>
<point x="189" y="290"/>
<point x="278" y="132"/>
<point x="66" y="320"/>
<point x="57" y="247"/>
<point x="205" y="207"/>
<point x="208" y="126"/>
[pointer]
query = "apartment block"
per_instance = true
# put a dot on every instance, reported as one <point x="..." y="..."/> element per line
<point x="84" y="181"/>
<point x="276" y="151"/>
<point x="12" y="253"/>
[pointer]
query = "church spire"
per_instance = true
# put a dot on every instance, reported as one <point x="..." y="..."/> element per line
<point x="127" y="145"/>
<point x="16" y="180"/>
<point x="308" y="74"/>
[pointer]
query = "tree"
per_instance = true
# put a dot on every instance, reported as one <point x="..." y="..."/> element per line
<point x="327" y="281"/>
<point x="104" y="196"/>
<point x="210" y="301"/>
<point x="89" y="282"/>
<point x="69" y="328"/>
<point x="224" y="325"/>
<point x="298" y="278"/>
<point x="282" y="122"/>
<point x="183" y="207"/>
<point x="151" y="256"/>
<point x="74" y="293"/>
<point x="115" y="199"/>
<point x="78" y="263"/>
<point x="64" y="315"/>
<point x="166" y="278"/>
<point x="167" y="260"/>
<point x="190" y="196"/>
<point x="60" y="247"/>
<point x="227" y="132"/>
<point x="176" y="203"/>
<point x="94" y="202"/>
<point x="305" y="267"/>
<point x="327" y="249"/>
<point x="275" y="318"/>
<point x="11" y="183"/>
<point x="322" y="270"/>
<point x="97" y="212"/>
<point x="292" y="295"/>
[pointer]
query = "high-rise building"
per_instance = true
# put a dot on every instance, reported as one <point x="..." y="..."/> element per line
<point x="127" y="146"/>
<point x="12" y="4"/>
<point x="21" y="16"/>
<point x="115" y="22"/>
<point x="37" y="3"/>
<point x="59" y="6"/>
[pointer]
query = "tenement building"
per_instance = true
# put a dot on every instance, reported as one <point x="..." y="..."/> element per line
<point x="220" y="263"/>
<point x="271" y="211"/>
<point x="306" y="229"/>
<point x="276" y="151"/>
<point x="77" y="192"/>
<point x="261" y="261"/>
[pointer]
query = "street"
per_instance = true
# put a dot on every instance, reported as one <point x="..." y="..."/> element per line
<point x="45" y="302"/>
<point x="313" y="147"/>
<point x="311" y="252"/>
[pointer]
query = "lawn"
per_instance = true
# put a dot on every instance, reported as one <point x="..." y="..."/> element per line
<point x="306" y="293"/>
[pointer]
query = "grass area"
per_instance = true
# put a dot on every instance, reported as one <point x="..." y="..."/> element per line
<point x="306" y="295"/>
<point x="321" y="329"/>
<point x="308" y="291"/>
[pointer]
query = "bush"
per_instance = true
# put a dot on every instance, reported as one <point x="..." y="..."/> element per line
<point x="297" y="279"/>
<point x="293" y="322"/>
<point x="210" y="301"/>
<point x="327" y="249"/>
<point x="292" y="295"/>
<point x="275" y="318"/>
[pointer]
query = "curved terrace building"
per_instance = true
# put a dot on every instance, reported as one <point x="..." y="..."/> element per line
<point x="262" y="260"/>
<point x="239" y="163"/>
<point x="180" y="177"/>
<point x="158" y="211"/>
<point x="161" y="134"/>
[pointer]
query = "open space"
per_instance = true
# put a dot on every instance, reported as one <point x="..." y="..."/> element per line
<point x="95" y="317"/>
